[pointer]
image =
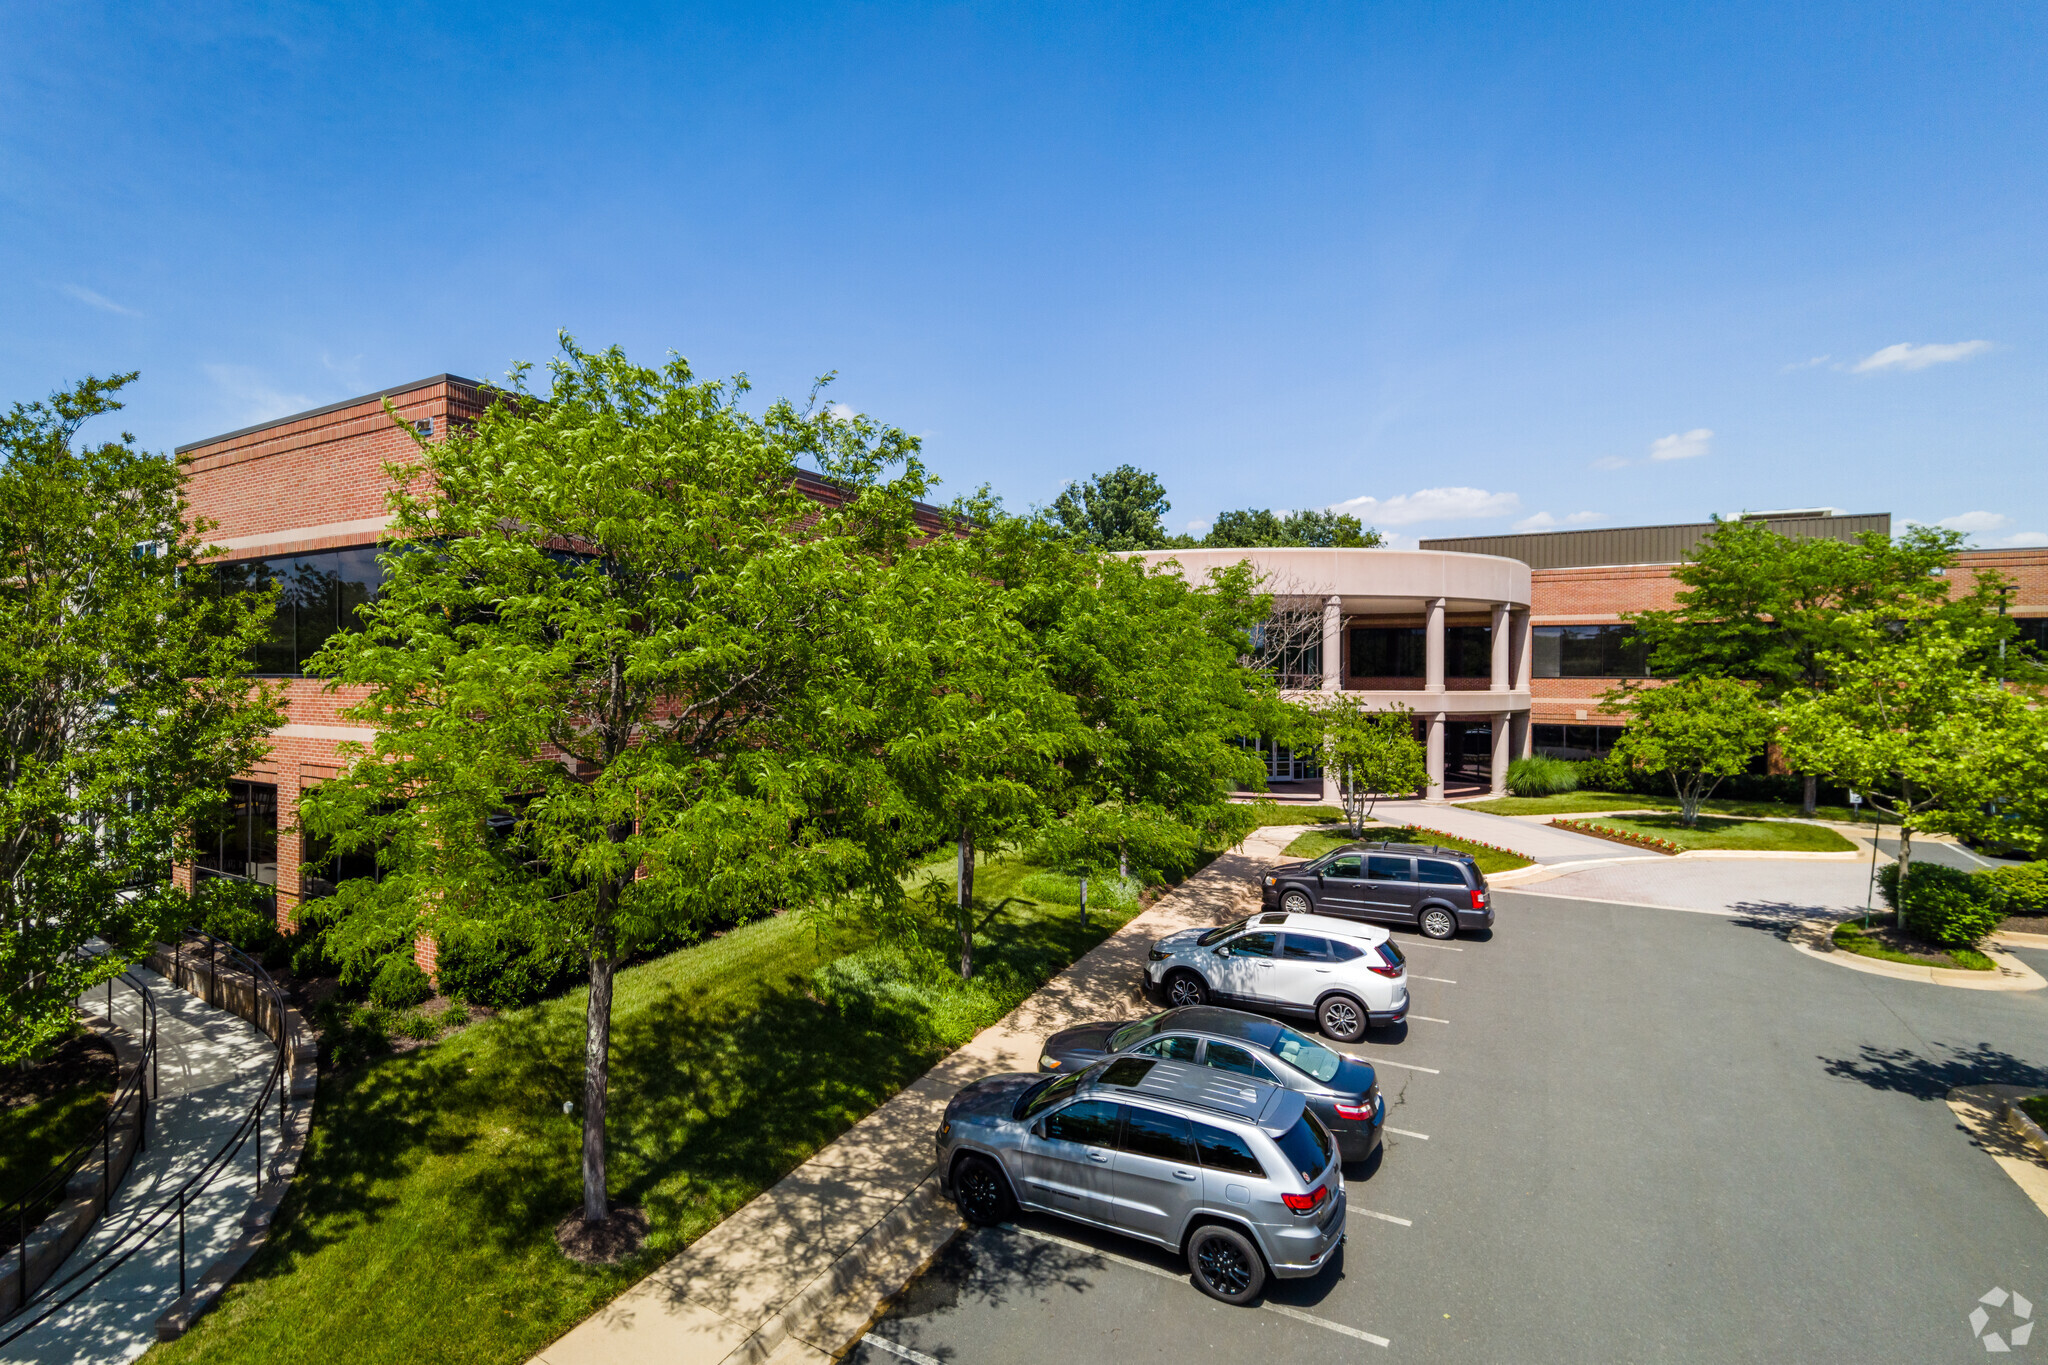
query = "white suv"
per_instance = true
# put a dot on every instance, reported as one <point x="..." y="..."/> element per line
<point x="1346" y="975"/>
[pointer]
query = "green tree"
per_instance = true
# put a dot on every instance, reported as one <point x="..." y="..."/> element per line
<point x="1771" y="609"/>
<point x="1311" y="527"/>
<point x="1696" y="730"/>
<point x="1370" y="753"/>
<point x="1914" y="721"/>
<point x="125" y="704"/>
<point x="618" y="671"/>
<point x="1124" y="509"/>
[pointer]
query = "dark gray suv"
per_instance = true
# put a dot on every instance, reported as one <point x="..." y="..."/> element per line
<point x="1233" y="1173"/>
<point x="1436" y="890"/>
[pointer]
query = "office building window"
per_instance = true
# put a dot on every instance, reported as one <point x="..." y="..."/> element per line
<point x="2033" y="635"/>
<point x="244" y="845"/>
<point x="1574" y="741"/>
<point x="1282" y="763"/>
<point x="318" y="595"/>
<point x="1403" y="652"/>
<point x="1590" y="652"/>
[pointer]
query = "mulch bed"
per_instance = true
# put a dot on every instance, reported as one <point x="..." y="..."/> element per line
<point x="619" y="1236"/>
<point x="2025" y="924"/>
<point x="1898" y="941"/>
<point x="80" y="1059"/>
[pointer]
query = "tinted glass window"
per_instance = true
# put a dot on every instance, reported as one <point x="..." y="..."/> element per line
<point x="1306" y="1146"/>
<point x="1037" y="1099"/>
<point x="1391" y="955"/>
<point x="244" y="845"/>
<point x="1306" y="948"/>
<point x="1162" y="1135"/>
<point x="1343" y="865"/>
<point x="1345" y="952"/>
<point x="1382" y="867"/>
<point x="1173" y="1049"/>
<point x="1230" y="1057"/>
<point x="1127" y="1071"/>
<point x="318" y="595"/>
<point x="1305" y="1054"/>
<point x="1253" y="945"/>
<point x="1222" y="1150"/>
<point x="1438" y="873"/>
<point x="1091" y="1122"/>
<point x="1388" y="651"/>
<point x="1468" y="651"/>
<point x="1132" y="1033"/>
<point x="1601" y="651"/>
<point x="1221" y="932"/>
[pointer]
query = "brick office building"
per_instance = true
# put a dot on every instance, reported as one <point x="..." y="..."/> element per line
<point x="1581" y="582"/>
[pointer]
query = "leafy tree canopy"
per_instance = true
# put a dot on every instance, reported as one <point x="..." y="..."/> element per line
<point x="1696" y="730"/>
<point x="1310" y="527"/>
<point x="1124" y="509"/>
<point x="124" y="704"/>
<point x="1371" y="753"/>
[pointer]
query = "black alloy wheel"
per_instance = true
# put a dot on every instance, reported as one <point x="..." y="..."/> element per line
<point x="1226" y="1264"/>
<point x="1342" y="1018"/>
<point x="981" y="1192"/>
<point x="1185" y="988"/>
<point x="1439" y="923"/>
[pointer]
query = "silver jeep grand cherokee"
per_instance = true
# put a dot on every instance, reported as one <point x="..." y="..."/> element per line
<point x="1232" y="1172"/>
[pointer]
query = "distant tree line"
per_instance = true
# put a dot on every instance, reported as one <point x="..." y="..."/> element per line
<point x="1125" y="509"/>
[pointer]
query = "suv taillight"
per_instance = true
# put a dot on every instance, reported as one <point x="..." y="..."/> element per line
<point x="1478" y="898"/>
<point x="1306" y="1203"/>
<point x="1390" y="962"/>
<point x="1381" y="969"/>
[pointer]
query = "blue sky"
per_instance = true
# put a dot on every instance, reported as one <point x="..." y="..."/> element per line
<point x="1459" y="269"/>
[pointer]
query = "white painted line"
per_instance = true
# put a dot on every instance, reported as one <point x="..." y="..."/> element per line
<point x="1413" y="976"/>
<point x="1383" y="1217"/>
<point x="1284" y="1311"/>
<point x="900" y="1352"/>
<point x="1405" y="1066"/>
<point x="1425" y="943"/>
<point x="1428" y="1020"/>
<point x="1405" y="1133"/>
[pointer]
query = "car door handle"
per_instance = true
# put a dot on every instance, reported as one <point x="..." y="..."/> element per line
<point x="1096" y="1156"/>
<point x="1326" y="970"/>
<point x="1182" y="1173"/>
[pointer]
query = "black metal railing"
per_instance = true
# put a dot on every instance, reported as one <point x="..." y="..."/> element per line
<point x="128" y="1108"/>
<point x="200" y="957"/>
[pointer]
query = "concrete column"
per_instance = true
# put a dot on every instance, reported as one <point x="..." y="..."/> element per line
<point x="1522" y="648"/>
<point x="1503" y="747"/>
<point x="1498" y="675"/>
<point x="1523" y="743"/>
<point x="1333" y="644"/>
<point x="1434" y="745"/>
<point x="1433" y="650"/>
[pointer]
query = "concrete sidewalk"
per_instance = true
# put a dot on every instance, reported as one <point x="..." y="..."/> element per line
<point x="211" y="1067"/>
<point x="733" y="1294"/>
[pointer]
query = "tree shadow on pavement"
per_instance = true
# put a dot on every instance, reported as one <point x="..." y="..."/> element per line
<point x="1776" y="918"/>
<point x="1907" y="1073"/>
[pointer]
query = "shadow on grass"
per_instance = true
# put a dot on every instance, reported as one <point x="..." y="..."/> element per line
<point x="1928" y="1078"/>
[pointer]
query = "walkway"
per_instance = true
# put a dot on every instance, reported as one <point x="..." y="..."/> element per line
<point x="1540" y="842"/>
<point x="211" y="1067"/>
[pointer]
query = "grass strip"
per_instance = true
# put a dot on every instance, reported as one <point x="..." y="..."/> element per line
<point x="1316" y="842"/>
<point x="1596" y="802"/>
<point x="1852" y="937"/>
<point x="1775" y="836"/>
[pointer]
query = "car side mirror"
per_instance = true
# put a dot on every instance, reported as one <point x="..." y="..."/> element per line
<point x="1223" y="951"/>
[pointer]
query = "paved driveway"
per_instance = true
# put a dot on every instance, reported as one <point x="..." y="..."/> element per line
<point x="1649" y="1136"/>
<point x="1787" y="887"/>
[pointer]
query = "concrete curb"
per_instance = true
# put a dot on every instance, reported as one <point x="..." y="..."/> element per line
<point x="2013" y="938"/>
<point x="2023" y="1127"/>
<point x="1814" y="937"/>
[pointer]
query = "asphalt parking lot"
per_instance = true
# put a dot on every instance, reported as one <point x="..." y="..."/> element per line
<point x="1615" y="1134"/>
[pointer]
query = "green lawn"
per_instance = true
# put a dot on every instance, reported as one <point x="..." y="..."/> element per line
<point x="421" y="1223"/>
<point x="1583" y="803"/>
<point x="1316" y="842"/>
<point x="2036" y="1107"/>
<point x="1850" y="936"/>
<point x="36" y="1134"/>
<point x="1301" y="815"/>
<point x="1785" y="836"/>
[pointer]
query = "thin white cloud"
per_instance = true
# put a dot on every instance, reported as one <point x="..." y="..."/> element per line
<point x="1611" y="462"/>
<point x="1974" y="523"/>
<point x="251" y="397"/>
<point x="93" y="299"/>
<point x="1682" y="445"/>
<point x="1906" y="356"/>
<point x="1811" y="363"/>
<point x="2018" y="540"/>
<point x="1198" y="527"/>
<point x="1431" y="504"/>
<point x="840" y="412"/>
<point x="1543" y="521"/>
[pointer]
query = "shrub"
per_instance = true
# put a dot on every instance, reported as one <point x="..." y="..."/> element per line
<point x="500" y="969"/>
<point x="243" y="914"/>
<point x="1538" y="776"/>
<point x="2018" y="889"/>
<point x="1611" y="775"/>
<point x="399" y="984"/>
<point x="1943" y="906"/>
<point x="902" y="989"/>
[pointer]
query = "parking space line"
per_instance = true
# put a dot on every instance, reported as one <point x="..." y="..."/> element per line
<point x="900" y="1352"/>
<point x="1282" y="1309"/>
<point x="1427" y="1020"/>
<point x="1405" y="1066"/>
<point x="1425" y="943"/>
<point x="1405" y="1133"/>
<point x="1415" y="976"/>
<point x="1384" y="1217"/>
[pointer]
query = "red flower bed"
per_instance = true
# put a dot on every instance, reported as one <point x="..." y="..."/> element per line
<point x="1621" y="836"/>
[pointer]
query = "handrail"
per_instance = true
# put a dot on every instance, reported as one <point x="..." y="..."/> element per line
<point x="276" y="1020"/>
<point x="28" y="1212"/>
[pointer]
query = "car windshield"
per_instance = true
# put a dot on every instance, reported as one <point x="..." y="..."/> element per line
<point x="1306" y="1146"/>
<point x="1045" y="1093"/>
<point x="1305" y="1054"/>
<point x="1225" y="932"/>
<point x="1131" y="1034"/>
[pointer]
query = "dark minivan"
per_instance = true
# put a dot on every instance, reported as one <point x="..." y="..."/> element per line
<point x="1437" y="890"/>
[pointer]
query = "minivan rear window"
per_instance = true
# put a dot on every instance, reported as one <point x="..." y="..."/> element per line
<point x="1306" y="1146"/>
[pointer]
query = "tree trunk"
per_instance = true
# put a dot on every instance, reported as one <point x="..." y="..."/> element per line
<point x="1809" y="799"/>
<point x="1084" y="900"/>
<point x="1688" y="802"/>
<point x="964" y="905"/>
<point x="1123" y="861"/>
<point x="1905" y="865"/>
<point x="597" y="1049"/>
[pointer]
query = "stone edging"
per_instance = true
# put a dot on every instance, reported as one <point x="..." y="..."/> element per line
<point x="279" y="1167"/>
<point x="2013" y="938"/>
<point x="1814" y="938"/>
<point x="2023" y="1127"/>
